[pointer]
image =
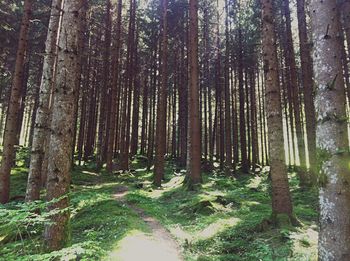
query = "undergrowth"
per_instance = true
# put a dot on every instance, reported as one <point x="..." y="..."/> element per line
<point x="227" y="219"/>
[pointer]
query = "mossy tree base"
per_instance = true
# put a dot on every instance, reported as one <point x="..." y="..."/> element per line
<point x="281" y="220"/>
<point x="190" y="185"/>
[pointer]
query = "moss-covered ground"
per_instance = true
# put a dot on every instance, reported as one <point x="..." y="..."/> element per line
<point x="227" y="219"/>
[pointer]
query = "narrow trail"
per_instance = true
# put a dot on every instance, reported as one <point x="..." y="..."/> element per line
<point x="158" y="245"/>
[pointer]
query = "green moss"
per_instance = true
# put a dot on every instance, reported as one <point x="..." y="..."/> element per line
<point x="231" y="230"/>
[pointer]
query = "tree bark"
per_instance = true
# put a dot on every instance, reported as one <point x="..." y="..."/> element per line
<point x="115" y="80"/>
<point x="42" y="119"/>
<point x="102" y="130"/>
<point x="331" y="133"/>
<point x="281" y="199"/>
<point x="193" y="142"/>
<point x="162" y="104"/>
<point x="307" y="83"/>
<point x="57" y="233"/>
<point x="293" y="80"/>
<point x="11" y="125"/>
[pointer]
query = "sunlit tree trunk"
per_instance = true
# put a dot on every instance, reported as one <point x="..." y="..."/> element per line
<point x="41" y="128"/>
<point x="57" y="233"/>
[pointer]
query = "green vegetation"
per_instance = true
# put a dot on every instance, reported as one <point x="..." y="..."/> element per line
<point x="228" y="219"/>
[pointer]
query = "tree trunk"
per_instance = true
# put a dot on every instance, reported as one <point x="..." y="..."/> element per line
<point x="162" y="102"/>
<point x="115" y="81"/>
<point x="293" y="77"/>
<point x="331" y="134"/>
<point x="228" y="136"/>
<point x="42" y="119"/>
<point x="57" y="233"/>
<point x="242" y="128"/>
<point x="281" y="199"/>
<point x="11" y="125"/>
<point x="307" y="83"/>
<point x="193" y="142"/>
<point x="101" y="142"/>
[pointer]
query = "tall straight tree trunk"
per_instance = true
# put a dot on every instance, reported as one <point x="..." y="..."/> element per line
<point x="253" y="120"/>
<point x="281" y="199"/>
<point x="206" y="77"/>
<point x="11" y="125"/>
<point x="115" y="81"/>
<point x="125" y="127"/>
<point x="101" y="142"/>
<point x="43" y="112"/>
<point x="24" y="88"/>
<point x="193" y="142"/>
<point x="242" y="129"/>
<point x="331" y="133"/>
<point x="183" y="100"/>
<point x="84" y="103"/>
<point x="153" y="87"/>
<point x="261" y="129"/>
<point x="57" y="232"/>
<point x="145" y="123"/>
<point x="162" y="104"/>
<point x="234" y="117"/>
<point x="295" y="97"/>
<point x="135" y="104"/>
<point x="228" y="134"/>
<point x="307" y="82"/>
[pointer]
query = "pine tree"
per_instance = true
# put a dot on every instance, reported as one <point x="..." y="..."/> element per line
<point x="12" y="120"/>
<point x="193" y="143"/>
<point x="331" y="133"/>
<point x="281" y="199"/>
<point x="61" y="140"/>
<point x="40" y="135"/>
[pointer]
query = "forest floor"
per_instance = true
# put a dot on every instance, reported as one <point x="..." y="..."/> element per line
<point x="158" y="244"/>
<point x="114" y="214"/>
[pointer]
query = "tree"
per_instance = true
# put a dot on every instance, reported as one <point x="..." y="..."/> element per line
<point x="307" y="83"/>
<point x="61" y="139"/>
<point x="281" y="199"/>
<point x="162" y="102"/>
<point x="102" y="130"/>
<point x="193" y="141"/>
<point x="43" y="112"/>
<point x="294" y="86"/>
<point x="128" y="84"/>
<point x="228" y="134"/>
<point x="11" y="126"/>
<point x="115" y="79"/>
<point x="331" y="133"/>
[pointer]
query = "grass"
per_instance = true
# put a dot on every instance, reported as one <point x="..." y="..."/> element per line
<point x="224" y="220"/>
<point x="98" y="221"/>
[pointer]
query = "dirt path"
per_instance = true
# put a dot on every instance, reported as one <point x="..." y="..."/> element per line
<point x="158" y="245"/>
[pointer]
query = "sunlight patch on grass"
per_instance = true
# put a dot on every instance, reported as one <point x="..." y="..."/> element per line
<point x="305" y="244"/>
<point x="210" y="231"/>
<point x="90" y="173"/>
<point x="255" y="182"/>
<point x="174" y="183"/>
<point x="137" y="245"/>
